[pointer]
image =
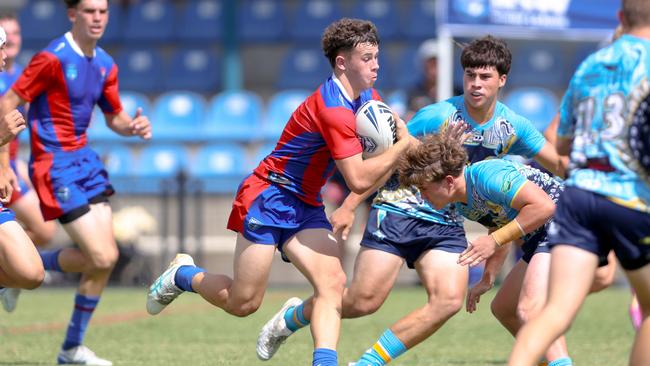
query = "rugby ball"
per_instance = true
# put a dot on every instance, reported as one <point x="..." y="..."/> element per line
<point x="376" y="128"/>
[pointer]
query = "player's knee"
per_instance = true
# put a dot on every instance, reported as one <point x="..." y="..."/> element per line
<point x="244" y="309"/>
<point x="332" y="284"/>
<point x="364" y="303"/>
<point x="32" y="279"/>
<point x="104" y="261"/>
<point x="527" y="310"/>
<point x="44" y="234"/>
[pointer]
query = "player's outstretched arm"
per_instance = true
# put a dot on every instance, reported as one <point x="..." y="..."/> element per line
<point x="11" y="120"/>
<point x="125" y="125"/>
<point x="492" y="268"/>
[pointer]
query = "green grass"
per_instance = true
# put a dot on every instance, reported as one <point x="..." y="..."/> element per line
<point x="191" y="332"/>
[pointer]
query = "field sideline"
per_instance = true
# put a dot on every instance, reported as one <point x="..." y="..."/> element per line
<point x="191" y="332"/>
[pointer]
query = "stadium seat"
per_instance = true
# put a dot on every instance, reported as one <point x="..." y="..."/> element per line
<point x="113" y="33"/>
<point x="98" y="131"/>
<point x="220" y="167"/>
<point x="408" y="71"/>
<point x="260" y="154"/>
<point x="311" y="17"/>
<point x="150" y="21"/>
<point x="201" y="21"/>
<point x="538" y="64"/>
<point x="118" y="159"/>
<point x="262" y="21"/>
<point x="581" y="51"/>
<point x="158" y="165"/>
<point x="421" y="21"/>
<point x="280" y="108"/>
<point x="303" y="68"/>
<point x="234" y="115"/>
<point x="195" y="69"/>
<point x="178" y="116"/>
<point x="140" y="69"/>
<point x="383" y="13"/>
<point x="537" y="104"/>
<point x="43" y="20"/>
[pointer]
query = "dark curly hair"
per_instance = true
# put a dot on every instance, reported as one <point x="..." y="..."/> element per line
<point x="431" y="161"/>
<point x="345" y="34"/>
<point x="485" y="52"/>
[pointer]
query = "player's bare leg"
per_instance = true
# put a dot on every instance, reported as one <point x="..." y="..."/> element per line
<point x="29" y="215"/>
<point x="640" y="281"/>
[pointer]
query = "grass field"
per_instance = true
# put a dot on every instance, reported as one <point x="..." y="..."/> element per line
<point x="191" y="332"/>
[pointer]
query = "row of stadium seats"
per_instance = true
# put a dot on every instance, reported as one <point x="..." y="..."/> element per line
<point x="242" y="115"/>
<point x="256" y="20"/>
<point x="218" y="168"/>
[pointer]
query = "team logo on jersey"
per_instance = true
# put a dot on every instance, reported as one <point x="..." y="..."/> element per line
<point x="369" y="145"/>
<point x="63" y="194"/>
<point x="102" y="72"/>
<point x="71" y="71"/>
<point x="254" y="224"/>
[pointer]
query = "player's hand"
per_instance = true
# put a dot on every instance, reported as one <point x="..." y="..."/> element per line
<point x="477" y="251"/>
<point x="458" y="131"/>
<point x="10" y="125"/>
<point x="400" y="126"/>
<point x="474" y="294"/>
<point x="140" y="125"/>
<point x="8" y="184"/>
<point x="342" y="220"/>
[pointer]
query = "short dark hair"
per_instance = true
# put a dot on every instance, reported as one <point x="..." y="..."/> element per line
<point x="345" y="34"/>
<point x="431" y="161"/>
<point x="73" y="3"/>
<point x="486" y="52"/>
<point x="8" y="16"/>
<point x="636" y="12"/>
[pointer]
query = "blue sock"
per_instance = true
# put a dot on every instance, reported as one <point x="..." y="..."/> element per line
<point x="295" y="317"/>
<point x="564" y="361"/>
<point x="325" y="357"/>
<point x="83" y="310"/>
<point x="386" y="349"/>
<point x="184" y="275"/>
<point x="50" y="259"/>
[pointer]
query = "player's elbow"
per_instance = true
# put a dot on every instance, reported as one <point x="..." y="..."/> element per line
<point x="359" y="184"/>
<point x="547" y="209"/>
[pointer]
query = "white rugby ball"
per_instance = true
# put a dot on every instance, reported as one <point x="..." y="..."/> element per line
<point x="375" y="128"/>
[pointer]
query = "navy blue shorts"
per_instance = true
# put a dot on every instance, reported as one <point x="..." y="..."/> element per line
<point x="265" y="213"/>
<point x="592" y="222"/>
<point x="408" y="237"/>
<point x="537" y="243"/>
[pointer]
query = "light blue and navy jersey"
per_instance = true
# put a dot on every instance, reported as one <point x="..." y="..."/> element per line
<point x="504" y="134"/>
<point x="594" y="112"/>
<point x="492" y="186"/>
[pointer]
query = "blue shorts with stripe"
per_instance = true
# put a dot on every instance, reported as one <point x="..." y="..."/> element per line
<point x="596" y="224"/>
<point x="408" y="237"/>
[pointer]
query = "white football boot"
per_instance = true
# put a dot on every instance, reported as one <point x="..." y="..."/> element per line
<point x="9" y="298"/>
<point x="80" y="355"/>
<point x="275" y="332"/>
<point x="164" y="290"/>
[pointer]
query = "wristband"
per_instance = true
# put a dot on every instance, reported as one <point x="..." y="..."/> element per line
<point x="511" y="231"/>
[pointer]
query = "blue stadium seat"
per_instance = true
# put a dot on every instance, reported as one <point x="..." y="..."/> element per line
<point x="280" y="108"/>
<point x="150" y="21"/>
<point x="303" y="68"/>
<point x="397" y="102"/>
<point x="113" y="33"/>
<point x="220" y="167"/>
<point x="118" y="159"/>
<point x="201" y="21"/>
<point x="99" y="131"/>
<point x="581" y="51"/>
<point x="178" y="116"/>
<point x="421" y="21"/>
<point x="383" y="13"/>
<point x="408" y="70"/>
<point x="537" y="104"/>
<point x="140" y="69"/>
<point x="43" y="20"/>
<point x="195" y="69"/>
<point x="158" y="165"/>
<point x="26" y="55"/>
<point x="539" y="64"/>
<point x="260" y="154"/>
<point x="262" y="21"/>
<point x="234" y="115"/>
<point x="311" y="17"/>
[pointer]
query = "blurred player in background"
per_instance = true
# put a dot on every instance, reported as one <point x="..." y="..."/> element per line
<point x="63" y="83"/>
<point x="604" y="129"/>
<point x="280" y="205"/>
<point x="20" y="264"/>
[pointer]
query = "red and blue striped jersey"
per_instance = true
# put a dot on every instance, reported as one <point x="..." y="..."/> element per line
<point x="322" y="129"/>
<point x="63" y="86"/>
<point x="7" y="79"/>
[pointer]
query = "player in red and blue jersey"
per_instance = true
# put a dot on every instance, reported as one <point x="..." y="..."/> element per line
<point x="20" y="264"/>
<point x="63" y="83"/>
<point x="280" y="206"/>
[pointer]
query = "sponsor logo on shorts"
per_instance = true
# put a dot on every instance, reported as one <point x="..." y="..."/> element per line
<point x="63" y="194"/>
<point x="254" y="224"/>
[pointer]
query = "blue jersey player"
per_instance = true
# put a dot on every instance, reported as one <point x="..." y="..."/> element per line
<point x="63" y="83"/>
<point x="402" y="227"/>
<point x="604" y="129"/>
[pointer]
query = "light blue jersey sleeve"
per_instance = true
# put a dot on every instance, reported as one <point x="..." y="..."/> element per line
<point x="565" y="128"/>
<point x="529" y="141"/>
<point x="496" y="181"/>
<point x="431" y="119"/>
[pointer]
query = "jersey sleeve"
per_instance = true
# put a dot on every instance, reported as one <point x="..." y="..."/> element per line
<point x="109" y="102"/>
<point x="430" y="119"/>
<point x="529" y="140"/>
<point x="498" y="181"/>
<point x="566" y="126"/>
<point x="37" y="76"/>
<point x="338" y="127"/>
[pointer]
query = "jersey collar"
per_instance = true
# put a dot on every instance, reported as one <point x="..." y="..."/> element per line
<point x="75" y="46"/>
<point x="340" y="85"/>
